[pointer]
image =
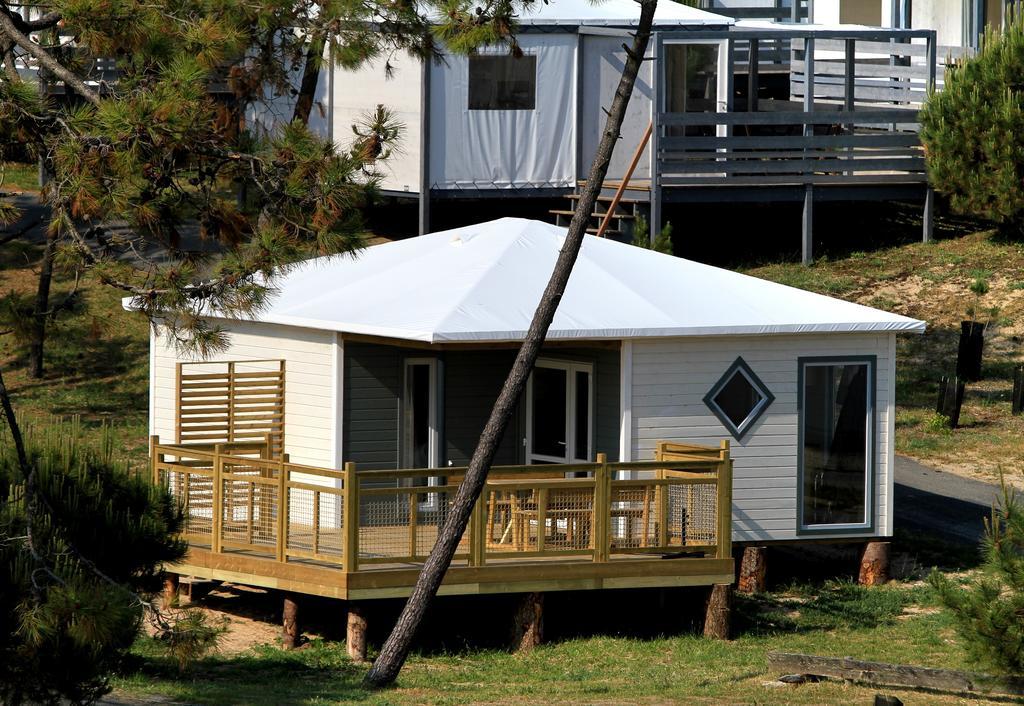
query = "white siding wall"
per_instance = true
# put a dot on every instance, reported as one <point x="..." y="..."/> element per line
<point x="310" y="390"/>
<point x="670" y="378"/>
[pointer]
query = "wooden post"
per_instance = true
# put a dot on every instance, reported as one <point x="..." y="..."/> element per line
<point x="724" y="502"/>
<point x="528" y="628"/>
<point x="718" y="614"/>
<point x="218" y="501"/>
<point x="355" y="633"/>
<point x="602" y="511"/>
<point x="752" y="570"/>
<point x="350" y="519"/>
<point x="282" y="512"/>
<point x="479" y="522"/>
<point x="153" y="474"/>
<point x="291" y="634"/>
<point x="170" y="592"/>
<point x="874" y="564"/>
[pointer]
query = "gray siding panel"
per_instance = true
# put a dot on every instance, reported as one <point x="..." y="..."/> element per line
<point x="373" y="385"/>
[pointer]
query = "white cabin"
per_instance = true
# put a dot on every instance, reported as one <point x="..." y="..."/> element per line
<point x="393" y="358"/>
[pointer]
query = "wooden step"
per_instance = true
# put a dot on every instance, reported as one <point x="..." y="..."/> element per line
<point x="617" y="215"/>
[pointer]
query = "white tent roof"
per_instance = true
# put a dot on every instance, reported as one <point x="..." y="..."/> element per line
<point x="612" y="13"/>
<point x="483" y="282"/>
<point x="615" y="13"/>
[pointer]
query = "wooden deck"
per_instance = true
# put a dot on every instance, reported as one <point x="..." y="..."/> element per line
<point x="363" y="534"/>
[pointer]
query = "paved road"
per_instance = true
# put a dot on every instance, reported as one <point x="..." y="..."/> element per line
<point x="941" y="503"/>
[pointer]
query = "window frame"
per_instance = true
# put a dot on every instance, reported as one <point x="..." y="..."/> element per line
<point x="738" y="431"/>
<point x="532" y="56"/>
<point x="570" y="368"/>
<point x="868" y="527"/>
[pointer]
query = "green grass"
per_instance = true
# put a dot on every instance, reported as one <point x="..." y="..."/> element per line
<point x="96" y="361"/>
<point x="19" y="176"/>
<point x="896" y="623"/>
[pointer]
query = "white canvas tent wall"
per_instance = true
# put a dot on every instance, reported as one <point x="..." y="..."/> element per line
<point x="578" y="66"/>
<point x="678" y="326"/>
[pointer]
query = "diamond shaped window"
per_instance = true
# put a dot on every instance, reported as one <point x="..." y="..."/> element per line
<point x="739" y="398"/>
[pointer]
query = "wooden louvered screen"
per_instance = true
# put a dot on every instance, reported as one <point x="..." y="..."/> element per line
<point x="240" y="400"/>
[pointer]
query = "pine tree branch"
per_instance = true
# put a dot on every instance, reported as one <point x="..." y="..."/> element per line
<point x="45" y="59"/>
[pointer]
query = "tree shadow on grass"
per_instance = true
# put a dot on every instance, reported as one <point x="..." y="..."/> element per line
<point x="824" y="606"/>
<point x="263" y="676"/>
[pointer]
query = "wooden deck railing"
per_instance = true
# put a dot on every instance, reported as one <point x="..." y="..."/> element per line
<point x="238" y="499"/>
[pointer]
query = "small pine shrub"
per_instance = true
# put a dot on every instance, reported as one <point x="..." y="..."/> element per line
<point x="973" y="130"/>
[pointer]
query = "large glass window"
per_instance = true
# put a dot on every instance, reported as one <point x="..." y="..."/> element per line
<point x="502" y="82"/>
<point x="837" y="445"/>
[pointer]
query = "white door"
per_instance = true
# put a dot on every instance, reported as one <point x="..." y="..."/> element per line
<point x="560" y="413"/>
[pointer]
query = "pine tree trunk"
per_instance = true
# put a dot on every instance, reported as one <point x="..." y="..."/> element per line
<point x="395" y="650"/>
<point x="41" y="308"/>
<point x="310" y="78"/>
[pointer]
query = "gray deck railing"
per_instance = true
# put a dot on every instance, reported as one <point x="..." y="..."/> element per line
<point x="772" y="148"/>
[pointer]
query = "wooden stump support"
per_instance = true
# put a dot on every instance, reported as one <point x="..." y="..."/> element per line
<point x="528" y="626"/>
<point x="170" y="592"/>
<point x="718" y="614"/>
<point x="874" y="564"/>
<point x="753" y="568"/>
<point x="355" y="633"/>
<point x="291" y="633"/>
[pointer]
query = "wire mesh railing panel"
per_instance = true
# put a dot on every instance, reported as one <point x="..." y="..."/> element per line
<point x="634" y="516"/>
<point x="194" y="493"/>
<point x="431" y="510"/>
<point x="383" y="526"/>
<point x="692" y="514"/>
<point x="250" y="498"/>
<point x="568" y="522"/>
<point x="314" y="526"/>
<point x="503" y="508"/>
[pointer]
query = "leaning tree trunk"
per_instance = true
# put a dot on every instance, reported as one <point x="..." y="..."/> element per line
<point x="392" y="656"/>
<point x="40" y="310"/>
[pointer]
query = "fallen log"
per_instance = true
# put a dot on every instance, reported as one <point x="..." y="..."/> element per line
<point x="895" y="675"/>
